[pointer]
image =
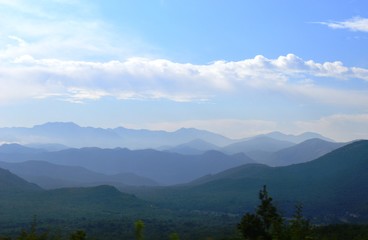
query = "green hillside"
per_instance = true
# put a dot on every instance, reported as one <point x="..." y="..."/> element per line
<point x="333" y="187"/>
<point x="12" y="183"/>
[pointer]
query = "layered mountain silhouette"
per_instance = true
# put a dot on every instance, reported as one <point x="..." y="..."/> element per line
<point x="302" y="152"/>
<point x="72" y="135"/>
<point x="296" y="138"/>
<point x="333" y="187"/>
<point x="192" y="154"/>
<point x="10" y="182"/>
<point x="256" y="144"/>
<point x="163" y="167"/>
<point x="55" y="136"/>
<point x="49" y="176"/>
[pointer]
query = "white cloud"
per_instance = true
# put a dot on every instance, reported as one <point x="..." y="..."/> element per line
<point x="341" y="127"/>
<point x="354" y="24"/>
<point x="62" y="30"/>
<point x="143" y="78"/>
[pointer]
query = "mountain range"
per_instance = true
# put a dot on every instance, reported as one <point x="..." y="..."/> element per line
<point x="333" y="187"/>
<point x="168" y="166"/>
<point x="163" y="167"/>
<point x="50" y="176"/>
<point x="72" y="135"/>
<point x="62" y="135"/>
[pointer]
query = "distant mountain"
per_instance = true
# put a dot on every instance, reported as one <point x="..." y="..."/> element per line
<point x="70" y="134"/>
<point x="17" y="148"/>
<point x="54" y="136"/>
<point x="333" y="187"/>
<point x="49" y="175"/>
<point x="302" y="152"/>
<point x="50" y="147"/>
<point x="163" y="167"/>
<point x="12" y="183"/>
<point x="194" y="147"/>
<point x="296" y="138"/>
<point x="140" y="139"/>
<point x="260" y="143"/>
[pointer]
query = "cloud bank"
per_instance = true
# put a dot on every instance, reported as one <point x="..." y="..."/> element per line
<point x="144" y="78"/>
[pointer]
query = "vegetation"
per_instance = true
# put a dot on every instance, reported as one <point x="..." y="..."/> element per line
<point x="333" y="187"/>
<point x="268" y="224"/>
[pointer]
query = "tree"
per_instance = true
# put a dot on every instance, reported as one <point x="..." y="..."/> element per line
<point x="251" y="226"/>
<point x="139" y="226"/>
<point x="78" y="235"/>
<point x="265" y="224"/>
<point x="300" y="228"/>
<point x="174" y="236"/>
<point x="32" y="234"/>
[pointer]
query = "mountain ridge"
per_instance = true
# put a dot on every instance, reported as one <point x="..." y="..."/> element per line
<point x="72" y="135"/>
<point x="331" y="188"/>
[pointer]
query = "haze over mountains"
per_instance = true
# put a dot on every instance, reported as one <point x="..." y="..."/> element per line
<point x="333" y="186"/>
<point x="72" y="135"/>
<point x="57" y="135"/>
<point x="197" y="179"/>
<point x="196" y="153"/>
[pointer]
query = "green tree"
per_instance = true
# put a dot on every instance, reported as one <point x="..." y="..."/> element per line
<point x="299" y="227"/>
<point x="139" y="227"/>
<point x="174" y="236"/>
<point x="32" y="233"/>
<point x="251" y="226"/>
<point x="78" y="235"/>
<point x="265" y="224"/>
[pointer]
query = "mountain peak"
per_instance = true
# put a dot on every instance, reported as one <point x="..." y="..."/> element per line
<point x="296" y="138"/>
<point x="58" y="125"/>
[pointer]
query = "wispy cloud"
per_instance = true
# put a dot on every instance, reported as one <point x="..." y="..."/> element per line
<point x="62" y="30"/>
<point x="358" y="24"/>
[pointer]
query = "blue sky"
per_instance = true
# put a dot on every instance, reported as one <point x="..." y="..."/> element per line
<point x="238" y="68"/>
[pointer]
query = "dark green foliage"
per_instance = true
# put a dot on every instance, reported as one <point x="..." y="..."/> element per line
<point x="271" y="219"/>
<point x="174" y="236"/>
<point x="32" y="234"/>
<point x="300" y="228"/>
<point x="138" y="229"/>
<point x="78" y="235"/>
<point x="251" y="226"/>
<point x="265" y="224"/>
<point x="342" y="232"/>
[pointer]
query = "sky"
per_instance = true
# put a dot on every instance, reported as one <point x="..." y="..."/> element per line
<point x="238" y="68"/>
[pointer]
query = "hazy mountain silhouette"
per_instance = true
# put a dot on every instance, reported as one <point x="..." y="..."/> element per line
<point x="54" y="135"/>
<point x="163" y="167"/>
<point x="296" y="138"/>
<point x="302" y="152"/>
<point x="10" y="182"/>
<point x="17" y="148"/>
<point x="333" y="186"/>
<point x="194" y="147"/>
<point x="70" y="134"/>
<point x="259" y="143"/>
<point x="48" y="175"/>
